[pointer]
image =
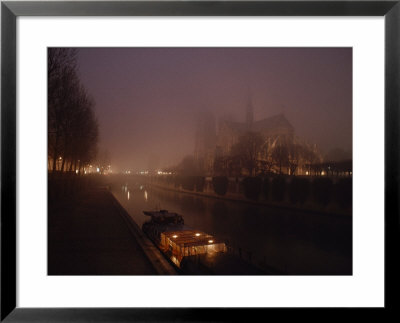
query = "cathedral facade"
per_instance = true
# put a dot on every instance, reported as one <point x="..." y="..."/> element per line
<point x="215" y="142"/>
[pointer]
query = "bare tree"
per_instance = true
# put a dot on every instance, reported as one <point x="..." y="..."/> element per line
<point x="61" y="78"/>
<point x="85" y="132"/>
<point x="265" y="163"/>
<point x="310" y="158"/>
<point x="104" y="161"/>
<point x="247" y="150"/>
<point x="280" y="153"/>
<point x="72" y="125"/>
<point x="295" y="152"/>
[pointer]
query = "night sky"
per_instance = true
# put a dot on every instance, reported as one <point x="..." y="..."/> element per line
<point x="148" y="99"/>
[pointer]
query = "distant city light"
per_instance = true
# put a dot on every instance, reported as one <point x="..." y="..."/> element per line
<point x="210" y="241"/>
<point x="174" y="236"/>
<point x="160" y="172"/>
<point x="197" y="234"/>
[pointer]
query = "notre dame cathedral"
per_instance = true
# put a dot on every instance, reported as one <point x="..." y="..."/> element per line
<point x="214" y="140"/>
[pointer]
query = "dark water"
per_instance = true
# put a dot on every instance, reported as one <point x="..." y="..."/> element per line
<point x="292" y="241"/>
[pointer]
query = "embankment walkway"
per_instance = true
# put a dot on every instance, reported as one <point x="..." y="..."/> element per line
<point x="93" y="235"/>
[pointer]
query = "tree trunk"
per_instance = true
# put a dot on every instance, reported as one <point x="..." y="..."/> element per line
<point x="55" y="160"/>
<point x="63" y="164"/>
<point x="55" y="152"/>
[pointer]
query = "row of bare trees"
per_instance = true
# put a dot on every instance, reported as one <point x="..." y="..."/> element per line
<point x="253" y="154"/>
<point x="72" y="124"/>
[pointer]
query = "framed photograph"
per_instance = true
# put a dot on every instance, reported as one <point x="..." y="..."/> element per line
<point x="197" y="161"/>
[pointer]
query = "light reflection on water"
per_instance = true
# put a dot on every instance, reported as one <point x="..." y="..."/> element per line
<point x="290" y="240"/>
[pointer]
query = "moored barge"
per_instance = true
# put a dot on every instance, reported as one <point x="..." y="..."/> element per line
<point x="193" y="251"/>
<point x="176" y="240"/>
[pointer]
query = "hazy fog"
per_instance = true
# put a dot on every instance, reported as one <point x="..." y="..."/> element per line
<point x="148" y="99"/>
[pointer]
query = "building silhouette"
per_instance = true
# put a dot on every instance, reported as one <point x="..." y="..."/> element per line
<point x="216" y="142"/>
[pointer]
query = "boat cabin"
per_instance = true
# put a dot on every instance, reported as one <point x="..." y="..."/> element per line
<point x="186" y="243"/>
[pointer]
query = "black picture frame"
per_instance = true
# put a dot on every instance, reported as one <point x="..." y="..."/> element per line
<point x="11" y="10"/>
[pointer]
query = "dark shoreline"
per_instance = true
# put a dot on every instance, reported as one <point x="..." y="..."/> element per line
<point x="244" y="200"/>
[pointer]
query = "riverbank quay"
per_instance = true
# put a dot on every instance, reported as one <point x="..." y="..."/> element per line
<point x="291" y="241"/>
<point x="239" y="198"/>
<point x="89" y="234"/>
